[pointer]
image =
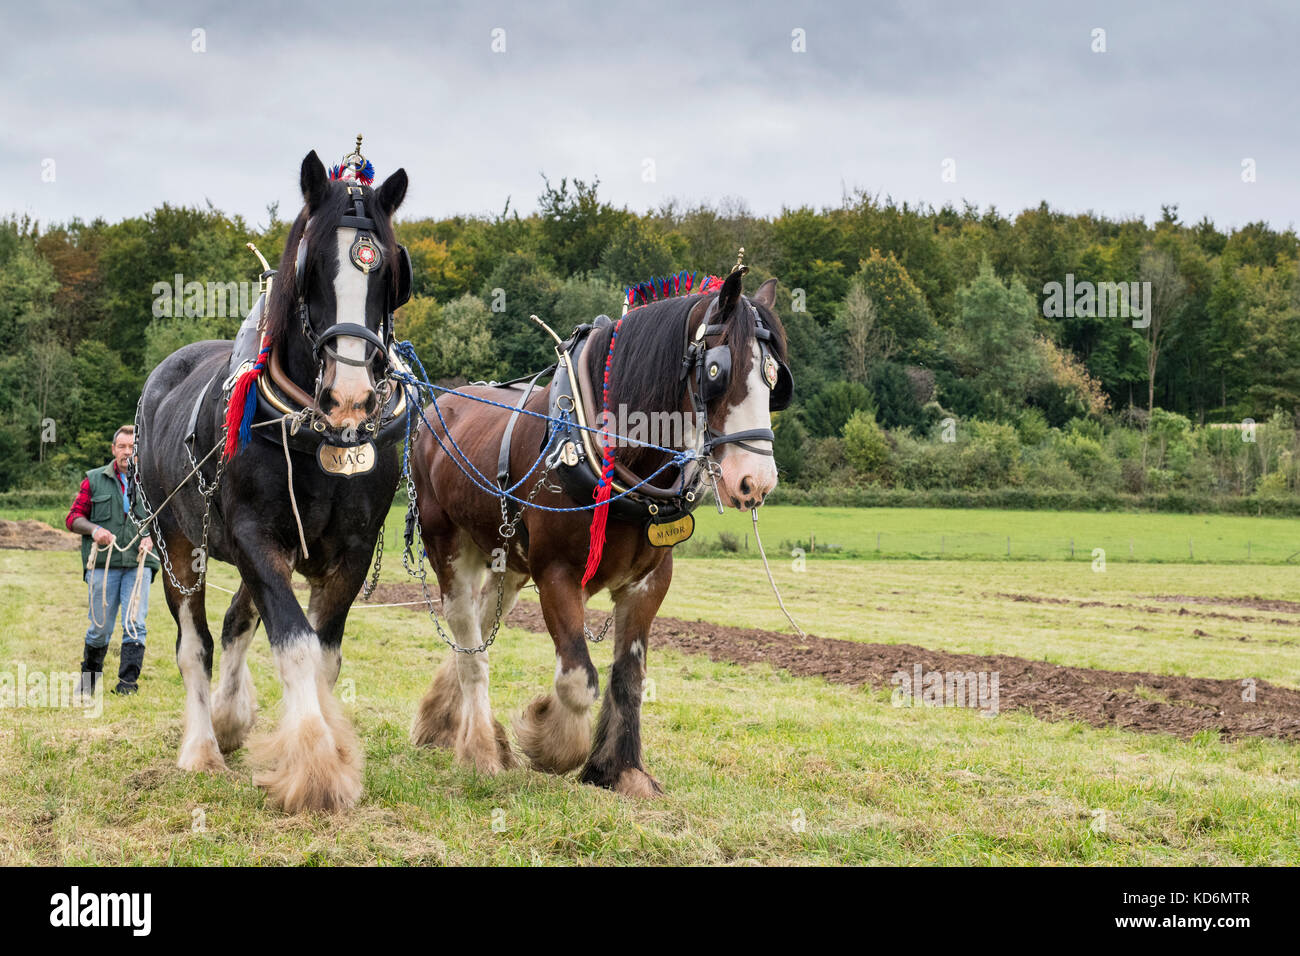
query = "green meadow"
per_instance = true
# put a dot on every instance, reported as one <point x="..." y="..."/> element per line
<point x="758" y="766"/>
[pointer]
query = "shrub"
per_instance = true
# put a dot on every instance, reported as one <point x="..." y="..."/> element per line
<point x="1272" y="485"/>
<point x="1132" y="476"/>
<point x="830" y="409"/>
<point x="826" y="463"/>
<point x="992" y="456"/>
<point x="1047" y="470"/>
<point x="729" y="542"/>
<point x="790" y="447"/>
<point x="1160" y="480"/>
<point x="1032" y="427"/>
<point x="923" y="464"/>
<point x="1085" y="455"/>
<point x="866" y="446"/>
<point x="895" y="397"/>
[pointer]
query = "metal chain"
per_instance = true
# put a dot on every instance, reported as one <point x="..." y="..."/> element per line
<point x="206" y="490"/>
<point x="418" y="572"/>
<point x="368" y="588"/>
<point x="597" y="638"/>
<point x="509" y="528"/>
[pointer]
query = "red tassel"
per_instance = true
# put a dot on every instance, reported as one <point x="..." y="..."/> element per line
<point x="599" y="518"/>
<point x="600" y="514"/>
<point x="239" y="398"/>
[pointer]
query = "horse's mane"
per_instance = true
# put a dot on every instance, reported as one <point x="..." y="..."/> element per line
<point x="647" y="371"/>
<point x="282" y="309"/>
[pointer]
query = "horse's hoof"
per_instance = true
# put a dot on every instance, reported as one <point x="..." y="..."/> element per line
<point x="232" y="721"/>
<point x="487" y="754"/>
<point x="630" y="781"/>
<point x="633" y="782"/>
<point x="201" y="755"/>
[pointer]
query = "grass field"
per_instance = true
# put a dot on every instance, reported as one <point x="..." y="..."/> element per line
<point x="758" y="766"/>
<point x="1028" y="535"/>
<point x="871" y="533"/>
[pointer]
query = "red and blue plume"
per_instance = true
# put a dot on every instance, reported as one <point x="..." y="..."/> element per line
<point x="662" y="287"/>
<point x="362" y="174"/>
<point x="243" y="405"/>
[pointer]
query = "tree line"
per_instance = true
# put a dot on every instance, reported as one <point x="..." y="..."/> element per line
<point x="916" y="334"/>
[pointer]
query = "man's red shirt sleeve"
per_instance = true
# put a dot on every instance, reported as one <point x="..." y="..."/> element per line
<point x="80" y="507"/>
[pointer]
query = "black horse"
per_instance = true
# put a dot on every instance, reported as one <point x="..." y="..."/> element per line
<point x="308" y="490"/>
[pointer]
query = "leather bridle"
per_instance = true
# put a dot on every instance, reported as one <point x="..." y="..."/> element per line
<point x="366" y="254"/>
<point x="708" y="370"/>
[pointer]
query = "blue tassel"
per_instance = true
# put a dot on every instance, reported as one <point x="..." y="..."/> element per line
<point x="246" y="422"/>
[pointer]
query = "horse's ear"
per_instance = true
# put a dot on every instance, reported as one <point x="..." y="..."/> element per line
<point x="730" y="293"/>
<point x="392" y="192"/>
<point x="313" y="181"/>
<point x="766" y="294"/>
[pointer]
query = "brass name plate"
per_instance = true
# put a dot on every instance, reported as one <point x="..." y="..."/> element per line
<point x="669" y="533"/>
<point x="346" y="460"/>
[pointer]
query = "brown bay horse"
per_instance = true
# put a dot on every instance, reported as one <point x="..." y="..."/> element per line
<point x="716" y="361"/>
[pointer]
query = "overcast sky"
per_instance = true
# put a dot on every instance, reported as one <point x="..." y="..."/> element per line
<point x="717" y="100"/>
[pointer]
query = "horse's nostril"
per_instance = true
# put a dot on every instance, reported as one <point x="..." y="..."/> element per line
<point x="371" y="403"/>
<point x="327" y="400"/>
<point x="746" y="486"/>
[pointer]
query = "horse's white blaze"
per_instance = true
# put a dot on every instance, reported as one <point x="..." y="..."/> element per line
<point x="752" y="412"/>
<point x="199" y="746"/>
<point x="351" y="383"/>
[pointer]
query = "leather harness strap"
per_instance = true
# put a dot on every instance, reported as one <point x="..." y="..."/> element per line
<point x="503" y="456"/>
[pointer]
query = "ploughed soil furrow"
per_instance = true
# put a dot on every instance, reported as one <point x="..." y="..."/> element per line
<point x="1148" y="703"/>
<point x="31" y="535"/>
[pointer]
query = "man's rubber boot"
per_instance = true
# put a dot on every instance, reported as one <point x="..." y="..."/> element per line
<point x="128" y="673"/>
<point x="92" y="669"/>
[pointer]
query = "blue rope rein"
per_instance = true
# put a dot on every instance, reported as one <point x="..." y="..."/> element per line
<point x="678" y="457"/>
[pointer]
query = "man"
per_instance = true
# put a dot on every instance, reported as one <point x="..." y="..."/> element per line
<point x="103" y="513"/>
